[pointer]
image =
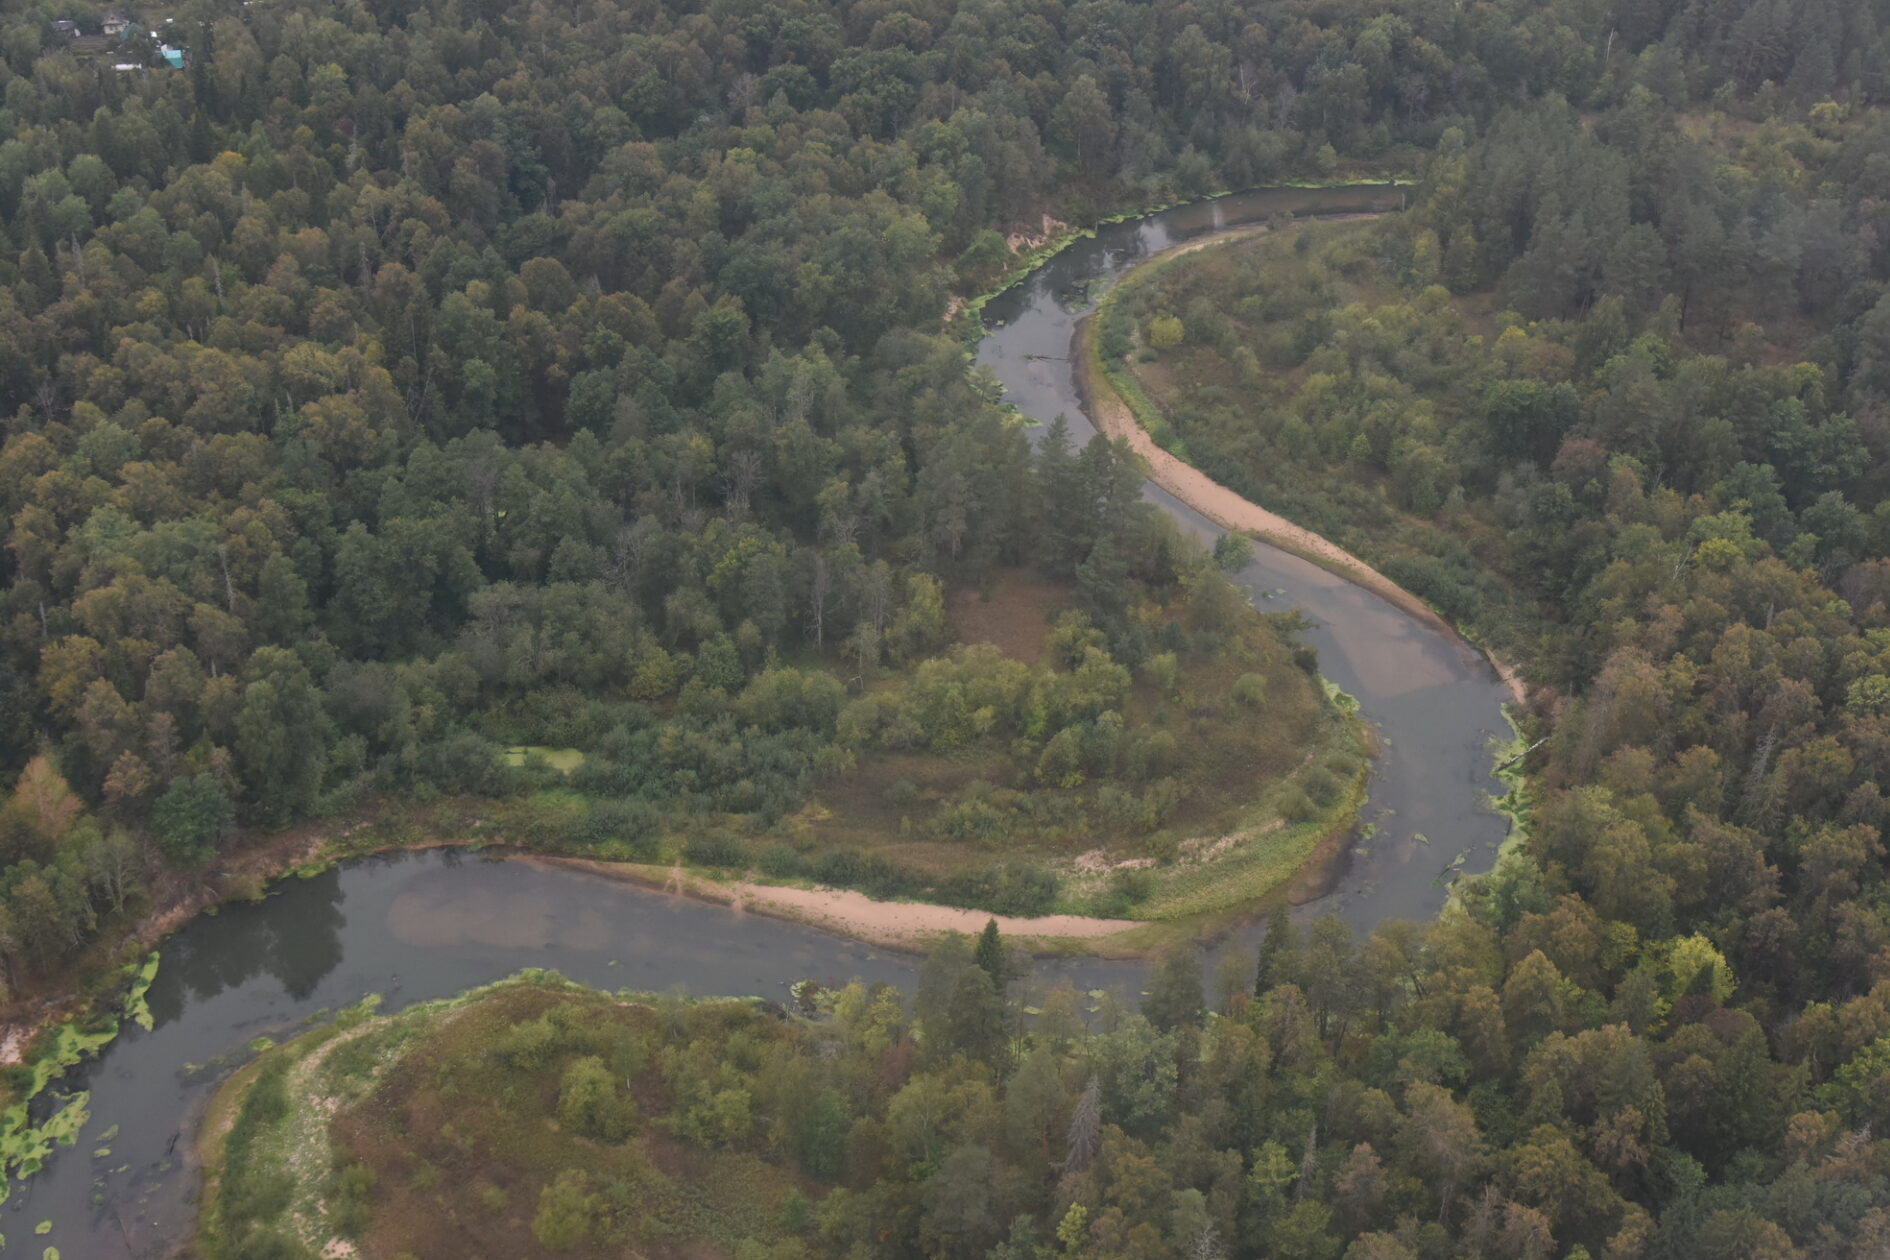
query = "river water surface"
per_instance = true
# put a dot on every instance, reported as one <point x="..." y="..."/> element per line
<point x="1435" y="703"/>
<point x="426" y="925"/>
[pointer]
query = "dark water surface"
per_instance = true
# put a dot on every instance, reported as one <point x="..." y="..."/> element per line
<point x="427" y="925"/>
<point x="410" y="927"/>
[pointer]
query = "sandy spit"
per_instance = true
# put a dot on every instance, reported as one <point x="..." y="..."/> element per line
<point x="893" y="924"/>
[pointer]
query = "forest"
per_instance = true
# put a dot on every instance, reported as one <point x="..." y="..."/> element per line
<point x="1466" y="403"/>
<point x="390" y="389"/>
<point x="399" y="384"/>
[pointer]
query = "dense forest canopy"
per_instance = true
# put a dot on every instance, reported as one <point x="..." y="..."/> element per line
<point x="391" y="385"/>
<point x="1571" y="305"/>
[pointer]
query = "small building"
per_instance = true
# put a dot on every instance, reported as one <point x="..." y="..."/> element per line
<point x="114" y="24"/>
<point x="173" y="57"/>
<point x="67" y="28"/>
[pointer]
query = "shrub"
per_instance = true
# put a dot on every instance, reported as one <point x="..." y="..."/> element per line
<point x="780" y="861"/>
<point x="1295" y="805"/>
<point x="628" y="825"/>
<point x="566" y="1209"/>
<point x="551" y="822"/>
<point x="716" y="848"/>
<point x="354" y="1184"/>
<point x="467" y="763"/>
<point x="526" y="1046"/>
<point x="1232" y="551"/>
<point x="1020" y="888"/>
<point x="973" y="819"/>
<point x="1165" y="332"/>
<point x="1154" y="756"/>
<point x="1061" y="764"/>
<point x="590" y="1104"/>
<point x="1127" y="888"/>
<point x="1024" y="888"/>
<point x="1162" y="671"/>
<point x="849" y="868"/>
<point x="1250" y="690"/>
<point x="1321" y="785"/>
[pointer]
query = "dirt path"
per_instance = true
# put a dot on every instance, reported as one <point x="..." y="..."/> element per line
<point x="1230" y="510"/>
<point x="895" y="924"/>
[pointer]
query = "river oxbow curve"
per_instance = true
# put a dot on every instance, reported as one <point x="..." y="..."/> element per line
<point x="417" y="926"/>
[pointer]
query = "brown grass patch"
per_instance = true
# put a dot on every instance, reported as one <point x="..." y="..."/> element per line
<point x="1013" y="614"/>
<point x="462" y="1142"/>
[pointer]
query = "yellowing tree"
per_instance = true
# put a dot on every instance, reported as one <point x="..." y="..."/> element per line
<point x="1689" y="958"/>
<point x="1165" y="332"/>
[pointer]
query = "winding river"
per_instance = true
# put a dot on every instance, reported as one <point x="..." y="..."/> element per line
<point x="424" y="925"/>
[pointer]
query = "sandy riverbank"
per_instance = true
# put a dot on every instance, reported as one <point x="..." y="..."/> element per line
<point x="893" y="924"/>
<point x="1230" y="510"/>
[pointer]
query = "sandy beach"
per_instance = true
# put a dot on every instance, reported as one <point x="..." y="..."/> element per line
<point x="895" y="924"/>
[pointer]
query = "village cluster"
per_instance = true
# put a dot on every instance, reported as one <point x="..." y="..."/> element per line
<point x="131" y="44"/>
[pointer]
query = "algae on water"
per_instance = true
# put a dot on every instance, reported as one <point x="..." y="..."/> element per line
<point x="137" y="1009"/>
<point x="24" y="1145"/>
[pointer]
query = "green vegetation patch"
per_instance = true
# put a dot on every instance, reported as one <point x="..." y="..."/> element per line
<point x="1073" y="782"/>
<point x="563" y="760"/>
<point x="1517" y="802"/>
<point x="137" y="1009"/>
<point x="1291" y="367"/>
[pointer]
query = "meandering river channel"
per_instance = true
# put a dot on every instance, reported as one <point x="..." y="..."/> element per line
<point x="425" y="925"/>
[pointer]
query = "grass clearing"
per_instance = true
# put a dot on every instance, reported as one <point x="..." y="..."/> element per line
<point x="1012" y="614"/>
<point x="562" y="759"/>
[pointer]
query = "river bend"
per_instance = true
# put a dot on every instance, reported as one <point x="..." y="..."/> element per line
<point x="425" y="925"/>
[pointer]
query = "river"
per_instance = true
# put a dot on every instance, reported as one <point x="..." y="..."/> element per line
<point x="1435" y="703"/>
<point x="418" y="926"/>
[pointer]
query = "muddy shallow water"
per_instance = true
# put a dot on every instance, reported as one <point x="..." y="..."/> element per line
<point x="425" y="925"/>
